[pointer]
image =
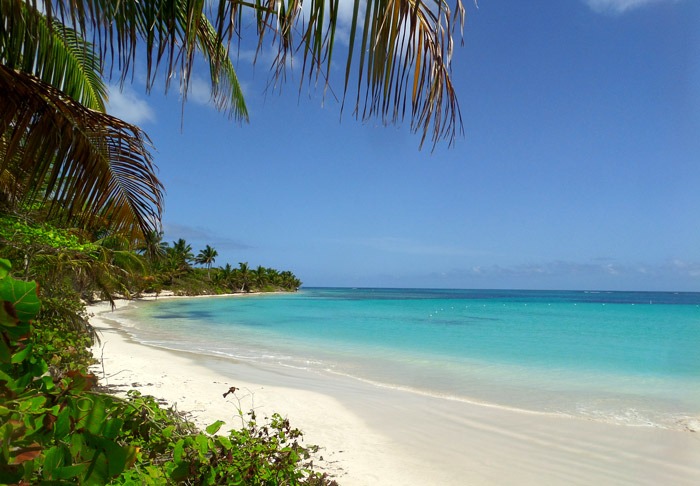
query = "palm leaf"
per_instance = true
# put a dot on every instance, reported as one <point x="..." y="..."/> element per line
<point x="227" y="94"/>
<point x="52" y="52"/>
<point x="405" y="48"/>
<point x="92" y="168"/>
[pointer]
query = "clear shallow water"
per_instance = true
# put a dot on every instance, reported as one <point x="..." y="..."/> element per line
<point x="625" y="357"/>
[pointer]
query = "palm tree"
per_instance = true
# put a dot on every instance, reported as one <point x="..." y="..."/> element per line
<point x="225" y="276"/>
<point x="398" y="51"/>
<point x="243" y="275"/>
<point x="57" y="145"/>
<point x="207" y="256"/>
<point x="182" y="251"/>
<point x="153" y="246"/>
<point x="90" y="169"/>
<point x="180" y="257"/>
<point x="289" y="281"/>
<point x="260" y="277"/>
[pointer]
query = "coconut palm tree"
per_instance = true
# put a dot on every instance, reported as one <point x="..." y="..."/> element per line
<point x="260" y="277"/>
<point x="397" y="59"/>
<point x="243" y="275"/>
<point x="182" y="251"/>
<point x="153" y="247"/>
<point x="58" y="147"/>
<point x="289" y="281"/>
<point x="207" y="256"/>
<point x="225" y="276"/>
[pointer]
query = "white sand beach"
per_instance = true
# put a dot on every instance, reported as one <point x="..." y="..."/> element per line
<point x="377" y="436"/>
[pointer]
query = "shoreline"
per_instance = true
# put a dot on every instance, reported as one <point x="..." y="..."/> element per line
<point x="373" y="435"/>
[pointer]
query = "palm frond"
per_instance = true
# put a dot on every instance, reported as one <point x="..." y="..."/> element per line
<point x="404" y="47"/>
<point x="52" y="52"/>
<point x="89" y="166"/>
<point x="226" y="91"/>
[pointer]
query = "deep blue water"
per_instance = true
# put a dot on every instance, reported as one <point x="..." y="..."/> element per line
<point x="625" y="357"/>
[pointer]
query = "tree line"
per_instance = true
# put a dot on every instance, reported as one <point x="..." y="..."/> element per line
<point x="173" y="263"/>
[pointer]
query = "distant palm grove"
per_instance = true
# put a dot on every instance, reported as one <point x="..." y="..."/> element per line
<point x="172" y="269"/>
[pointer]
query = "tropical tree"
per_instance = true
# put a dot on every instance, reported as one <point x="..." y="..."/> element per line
<point x="397" y="59"/>
<point x="225" y="276"/>
<point x="206" y="257"/>
<point x="177" y="261"/>
<point x="244" y="277"/>
<point x="57" y="145"/>
<point x="153" y="247"/>
<point x="181" y="251"/>
<point x="289" y="281"/>
<point x="260" y="278"/>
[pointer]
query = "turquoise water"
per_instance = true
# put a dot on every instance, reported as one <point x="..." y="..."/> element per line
<point x="624" y="357"/>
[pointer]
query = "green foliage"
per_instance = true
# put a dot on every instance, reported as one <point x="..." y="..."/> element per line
<point x="56" y="429"/>
<point x="50" y="430"/>
<point x="37" y="236"/>
<point x="171" y="451"/>
<point x="62" y="335"/>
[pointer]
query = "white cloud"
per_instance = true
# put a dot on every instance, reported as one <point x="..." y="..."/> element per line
<point x="199" y="90"/>
<point x="127" y="105"/>
<point x="620" y="6"/>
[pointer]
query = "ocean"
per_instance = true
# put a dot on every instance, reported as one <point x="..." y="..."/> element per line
<point x="630" y="358"/>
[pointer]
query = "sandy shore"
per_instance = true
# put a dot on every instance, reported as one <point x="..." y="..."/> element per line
<point x="376" y="436"/>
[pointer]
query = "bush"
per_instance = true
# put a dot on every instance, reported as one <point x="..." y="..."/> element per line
<point x="56" y="428"/>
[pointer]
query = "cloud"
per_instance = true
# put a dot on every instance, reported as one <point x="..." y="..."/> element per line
<point x="690" y="269"/>
<point x="127" y="105"/>
<point x="199" y="90"/>
<point x="620" y="6"/>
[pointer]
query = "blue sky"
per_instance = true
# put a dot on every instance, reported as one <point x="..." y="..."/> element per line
<point x="579" y="169"/>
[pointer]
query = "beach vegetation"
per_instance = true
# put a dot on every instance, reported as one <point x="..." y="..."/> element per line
<point x="57" y="427"/>
<point x="207" y="257"/>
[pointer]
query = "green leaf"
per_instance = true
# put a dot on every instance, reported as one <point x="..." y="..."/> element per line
<point x="202" y="444"/>
<point x="168" y="431"/>
<point x="33" y="404"/>
<point x="70" y="472"/>
<point x="180" y="472"/>
<point x="116" y="456"/>
<point x="62" y="426"/>
<point x="5" y="267"/>
<point x="5" y="353"/>
<point x="95" y="416"/>
<point x="22" y="355"/>
<point x="224" y="442"/>
<point x="24" y="303"/>
<point x="53" y="458"/>
<point x="113" y="427"/>
<point x="7" y="379"/>
<point x="178" y="450"/>
<point x="214" y="428"/>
